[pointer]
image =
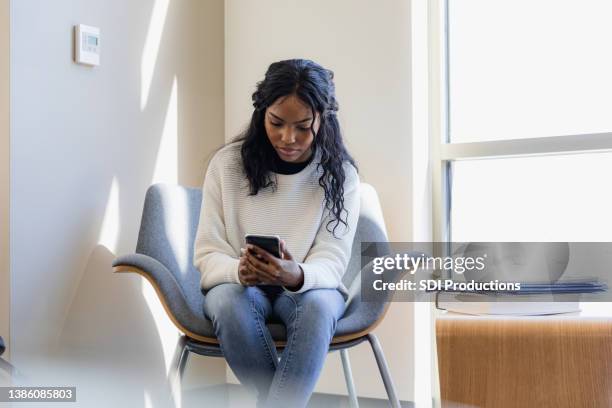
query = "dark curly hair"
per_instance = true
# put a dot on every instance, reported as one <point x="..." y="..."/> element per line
<point x="314" y="86"/>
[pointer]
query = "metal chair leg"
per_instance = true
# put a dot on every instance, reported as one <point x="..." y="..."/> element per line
<point x="175" y="376"/>
<point x="384" y="371"/>
<point x="181" y="354"/>
<point x="348" y="376"/>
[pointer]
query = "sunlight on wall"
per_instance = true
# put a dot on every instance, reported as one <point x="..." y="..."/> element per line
<point x="177" y="228"/>
<point x="168" y="333"/>
<point x="151" y="49"/>
<point x="166" y="164"/>
<point x="166" y="171"/>
<point x="109" y="233"/>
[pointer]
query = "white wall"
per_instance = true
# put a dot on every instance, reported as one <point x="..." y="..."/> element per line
<point x="86" y="143"/>
<point x="4" y="174"/>
<point x="366" y="44"/>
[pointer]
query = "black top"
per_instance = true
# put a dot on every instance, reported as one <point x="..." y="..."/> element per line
<point x="284" y="167"/>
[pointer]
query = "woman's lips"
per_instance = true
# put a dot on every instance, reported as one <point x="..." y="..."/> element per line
<point x="287" y="152"/>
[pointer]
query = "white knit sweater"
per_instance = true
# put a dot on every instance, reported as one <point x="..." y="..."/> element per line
<point x="295" y="211"/>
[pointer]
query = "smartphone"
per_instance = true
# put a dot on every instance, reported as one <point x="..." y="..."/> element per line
<point x="270" y="243"/>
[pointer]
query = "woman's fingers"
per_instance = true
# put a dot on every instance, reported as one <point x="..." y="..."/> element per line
<point x="266" y="277"/>
<point x="267" y="262"/>
<point x="257" y="266"/>
<point x="251" y="265"/>
<point x="264" y="265"/>
<point x="263" y="271"/>
<point x="247" y="280"/>
<point x="264" y="255"/>
<point x="247" y="277"/>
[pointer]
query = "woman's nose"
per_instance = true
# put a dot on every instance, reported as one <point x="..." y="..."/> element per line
<point x="288" y="136"/>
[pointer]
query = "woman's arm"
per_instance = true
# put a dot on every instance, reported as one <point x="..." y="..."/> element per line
<point x="328" y="258"/>
<point x="213" y="255"/>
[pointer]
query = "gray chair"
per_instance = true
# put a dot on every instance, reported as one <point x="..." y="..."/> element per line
<point x="164" y="257"/>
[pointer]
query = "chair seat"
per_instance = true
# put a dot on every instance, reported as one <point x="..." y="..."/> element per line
<point x="177" y="281"/>
<point x="188" y="314"/>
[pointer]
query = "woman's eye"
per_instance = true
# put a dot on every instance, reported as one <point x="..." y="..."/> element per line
<point x="303" y="129"/>
<point x="276" y="124"/>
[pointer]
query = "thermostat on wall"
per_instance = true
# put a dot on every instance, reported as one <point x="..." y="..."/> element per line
<point x="87" y="45"/>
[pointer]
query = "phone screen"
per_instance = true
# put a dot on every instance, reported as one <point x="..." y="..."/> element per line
<point x="269" y="243"/>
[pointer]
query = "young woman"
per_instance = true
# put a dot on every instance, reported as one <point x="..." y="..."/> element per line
<point x="289" y="175"/>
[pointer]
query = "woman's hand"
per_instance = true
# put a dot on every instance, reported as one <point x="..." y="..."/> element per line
<point x="247" y="278"/>
<point x="272" y="270"/>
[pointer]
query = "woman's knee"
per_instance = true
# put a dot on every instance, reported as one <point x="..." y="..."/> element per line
<point x="234" y="305"/>
<point x="320" y="309"/>
<point x="224" y="301"/>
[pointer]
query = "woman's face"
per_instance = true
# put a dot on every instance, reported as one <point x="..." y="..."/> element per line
<point x="288" y="124"/>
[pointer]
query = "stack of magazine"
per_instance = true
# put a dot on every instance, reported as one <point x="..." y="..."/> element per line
<point x="532" y="299"/>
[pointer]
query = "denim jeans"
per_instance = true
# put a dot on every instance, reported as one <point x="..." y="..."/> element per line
<point x="239" y="316"/>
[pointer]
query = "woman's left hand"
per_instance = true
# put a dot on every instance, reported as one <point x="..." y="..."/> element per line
<point x="272" y="270"/>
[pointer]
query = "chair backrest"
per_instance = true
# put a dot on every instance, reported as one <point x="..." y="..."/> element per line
<point x="370" y="229"/>
<point x="170" y="220"/>
<point x="167" y="232"/>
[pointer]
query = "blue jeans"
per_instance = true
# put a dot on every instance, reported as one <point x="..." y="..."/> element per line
<point x="239" y="316"/>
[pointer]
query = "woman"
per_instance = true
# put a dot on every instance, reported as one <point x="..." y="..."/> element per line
<point x="290" y="175"/>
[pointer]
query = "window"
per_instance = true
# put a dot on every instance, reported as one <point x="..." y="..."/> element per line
<point x="525" y="137"/>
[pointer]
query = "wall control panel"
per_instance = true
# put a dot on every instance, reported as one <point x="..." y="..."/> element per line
<point x="87" y="45"/>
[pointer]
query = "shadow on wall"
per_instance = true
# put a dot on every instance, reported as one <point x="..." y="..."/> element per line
<point x="116" y="340"/>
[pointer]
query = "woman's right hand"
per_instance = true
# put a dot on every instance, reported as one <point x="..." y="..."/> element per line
<point x="247" y="278"/>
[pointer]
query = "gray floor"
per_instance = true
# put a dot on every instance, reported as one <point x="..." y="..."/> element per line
<point x="234" y="396"/>
<point x="122" y="383"/>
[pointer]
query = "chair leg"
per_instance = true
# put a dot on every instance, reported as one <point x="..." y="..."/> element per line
<point x="181" y="354"/>
<point x="384" y="371"/>
<point x="175" y="376"/>
<point x="348" y="376"/>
